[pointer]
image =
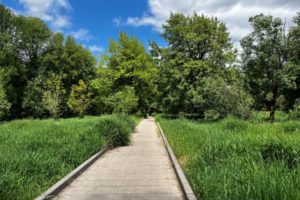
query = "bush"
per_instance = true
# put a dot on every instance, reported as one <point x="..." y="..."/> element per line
<point x="115" y="130"/>
<point x="80" y="98"/>
<point x="4" y="104"/>
<point x="212" y="115"/>
<point x="295" y="113"/>
<point x="290" y="127"/>
<point x="219" y="99"/>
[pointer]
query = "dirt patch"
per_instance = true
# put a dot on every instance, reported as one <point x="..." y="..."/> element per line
<point x="183" y="161"/>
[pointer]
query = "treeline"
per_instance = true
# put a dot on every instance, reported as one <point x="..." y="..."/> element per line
<point x="199" y="72"/>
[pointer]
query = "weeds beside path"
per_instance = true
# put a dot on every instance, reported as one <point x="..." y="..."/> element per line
<point x="235" y="159"/>
<point x="35" y="154"/>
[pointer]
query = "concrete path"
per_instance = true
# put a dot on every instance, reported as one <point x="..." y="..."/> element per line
<point x="141" y="170"/>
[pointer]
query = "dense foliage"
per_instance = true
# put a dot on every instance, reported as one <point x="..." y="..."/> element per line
<point x="30" y="53"/>
<point x="44" y="74"/>
<point x="198" y="47"/>
<point x="125" y="77"/>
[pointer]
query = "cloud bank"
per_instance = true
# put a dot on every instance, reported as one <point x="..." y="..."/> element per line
<point x="50" y="11"/>
<point x="235" y="13"/>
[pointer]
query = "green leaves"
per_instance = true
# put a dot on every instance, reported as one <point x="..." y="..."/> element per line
<point x="125" y="76"/>
<point x="80" y="98"/>
<point x="198" y="47"/>
<point x="4" y="104"/>
<point x="267" y="59"/>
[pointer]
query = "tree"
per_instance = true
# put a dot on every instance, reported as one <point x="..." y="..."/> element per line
<point x="54" y="95"/>
<point x="33" y="35"/>
<point x="293" y="67"/>
<point x="125" y="101"/>
<point x="198" y="47"/>
<point x="72" y="62"/>
<point x="264" y="60"/>
<point x="80" y="98"/>
<point x="12" y="71"/>
<point x="33" y="93"/>
<point x="127" y="63"/>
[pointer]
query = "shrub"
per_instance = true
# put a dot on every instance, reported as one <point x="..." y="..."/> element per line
<point x="295" y="113"/>
<point x="80" y="98"/>
<point x="212" y="115"/>
<point x="4" y="104"/>
<point x="290" y="127"/>
<point x="115" y="130"/>
<point x="219" y="99"/>
<point x="54" y="95"/>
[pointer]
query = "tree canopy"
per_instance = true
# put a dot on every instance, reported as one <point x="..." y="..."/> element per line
<point x="45" y="73"/>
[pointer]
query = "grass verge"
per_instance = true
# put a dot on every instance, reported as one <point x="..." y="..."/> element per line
<point x="234" y="159"/>
<point x="35" y="154"/>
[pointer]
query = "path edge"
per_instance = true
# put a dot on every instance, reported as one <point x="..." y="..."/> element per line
<point x="185" y="185"/>
<point x="65" y="181"/>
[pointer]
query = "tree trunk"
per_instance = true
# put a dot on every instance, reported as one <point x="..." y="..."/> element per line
<point x="272" y="113"/>
<point x="273" y="105"/>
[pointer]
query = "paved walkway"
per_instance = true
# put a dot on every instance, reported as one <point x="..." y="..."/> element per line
<point x="141" y="170"/>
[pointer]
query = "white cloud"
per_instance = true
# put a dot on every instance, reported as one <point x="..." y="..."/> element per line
<point x="82" y="34"/>
<point x="49" y="10"/>
<point x="235" y="13"/>
<point x="117" y="21"/>
<point x="95" y="48"/>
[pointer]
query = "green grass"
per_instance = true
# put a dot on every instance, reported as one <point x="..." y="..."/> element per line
<point x="234" y="159"/>
<point x="35" y="154"/>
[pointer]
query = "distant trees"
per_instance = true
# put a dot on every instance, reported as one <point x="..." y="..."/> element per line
<point x="125" y="76"/>
<point x="30" y="53"/>
<point x="47" y="74"/>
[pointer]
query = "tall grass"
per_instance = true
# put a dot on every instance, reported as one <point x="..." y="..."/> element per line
<point x="35" y="154"/>
<point x="234" y="159"/>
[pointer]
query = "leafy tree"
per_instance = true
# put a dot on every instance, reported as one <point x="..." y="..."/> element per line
<point x="80" y="98"/>
<point x="71" y="61"/>
<point x="102" y="90"/>
<point x="264" y="61"/>
<point x="293" y="68"/>
<point x="12" y="71"/>
<point x="125" y="101"/>
<point x="33" y="36"/>
<point x="198" y="47"/>
<point x="54" y="95"/>
<point x="294" y="113"/>
<point x="4" y="104"/>
<point x="127" y="63"/>
<point x="33" y="93"/>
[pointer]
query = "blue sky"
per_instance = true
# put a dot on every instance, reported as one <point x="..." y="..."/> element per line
<point x="93" y="22"/>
